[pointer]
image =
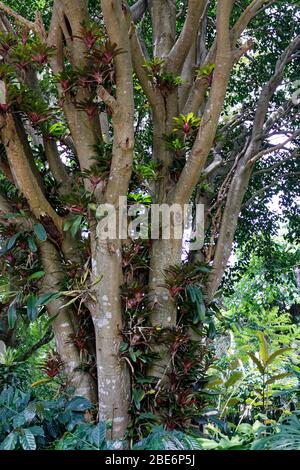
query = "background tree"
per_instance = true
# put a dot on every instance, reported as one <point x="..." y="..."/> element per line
<point x="92" y="109"/>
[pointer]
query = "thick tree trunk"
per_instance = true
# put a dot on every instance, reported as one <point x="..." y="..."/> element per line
<point x="164" y="254"/>
<point x="63" y="325"/>
<point x="113" y="376"/>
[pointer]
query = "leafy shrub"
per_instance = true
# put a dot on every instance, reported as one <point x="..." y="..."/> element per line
<point x="159" y="439"/>
<point x="282" y="436"/>
<point x="27" y="423"/>
<point x="87" y="436"/>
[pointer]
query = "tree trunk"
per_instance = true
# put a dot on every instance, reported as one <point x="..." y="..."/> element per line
<point x="113" y="376"/>
<point x="63" y="325"/>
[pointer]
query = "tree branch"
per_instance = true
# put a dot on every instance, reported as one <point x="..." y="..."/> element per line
<point x="20" y="19"/>
<point x="57" y="167"/>
<point x="200" y="86"/>
<point x="217" y="161"/>
<point x="204" y="140"/>
<point x="66" y="24"/>
<point x="269" y="89"/>
<point x="48" y="336"/>
<point x="249" y="13"/>
<point x="242" y="175"/>
<point x="123" y="117"/>
<point x="187" y="37"/>
<point x="163" y="16"/>
<point x="37" y="26"/>
<point x="272" y="149"/>
<point x="19" y="157"/>
<point x="294" y="154"/>
<point x="139" y="59"/>
<point x="107" y="98"/>
<point x="138" y="10"/>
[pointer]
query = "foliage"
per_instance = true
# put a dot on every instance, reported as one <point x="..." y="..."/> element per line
<point x="260" y="304"/>
<point x="87" y="436"/>
<point x="281" y="436"/>
<point x="27" y="422"/>
<point x="160" y="439"/>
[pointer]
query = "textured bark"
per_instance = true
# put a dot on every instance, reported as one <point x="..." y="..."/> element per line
<point x="66" y="26"/>
<point x="163" y="16"/>
<point x="113" y="376"/>
<point x="180" y="57"/>
<point x="164" y="253"/>
<point x="203" y="144"/>
<point x="63" y="324"/>
<point x="23" y="171"/>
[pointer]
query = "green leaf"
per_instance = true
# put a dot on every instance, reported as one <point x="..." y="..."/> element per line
<point x="12" y="315"/>
<point x="67" y="225"/>
<point x="98" y="435"/>
<point x="137" y="395"/>
<point x="27" y="440"/>
<point x="37" y="431"/>
<point x="235" y="377"/>
<point x="277" y="353"/>
<point x="274" y="378"/>
<point x="263" y="347"/>
<point x="31" y="244"/>
<point x="31" y="306"/>
<point x="44" y="299"/>
<point x="257" y="362"/>
<point x="203" y="269"/>
<point x="76" y="225"/>
<point x="12" y="241"/>
<point x="58" y="129"/>
<point x="132" y="355"/>
<point x="11" y="215"/>
<point x="207" y="444"/>
<point x="79" y="404"/>
<point x="9" y="442"/>
<point x="233" y="401"/>
<point x="40" y="232"/>
<point x="36" y="275"/>
<point x="196" y="297"/>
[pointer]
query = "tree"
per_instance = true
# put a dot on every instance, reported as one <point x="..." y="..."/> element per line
<point x="79" y="94"/>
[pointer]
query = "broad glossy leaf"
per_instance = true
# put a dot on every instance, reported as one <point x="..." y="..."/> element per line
<point x="12" y="241"/>
<point x="9" y="442"/>
<point x="44" y="299"/>
<point x="40" y="232"/>
<point x="31" y="244"/>
<point x="12" y="315"/>
<point x="37" y="275"/>
<point x="98" y="435"/>
<point x="32" y="311"/>
<point x="79" y="404"/>
<point x="27" y="440"/>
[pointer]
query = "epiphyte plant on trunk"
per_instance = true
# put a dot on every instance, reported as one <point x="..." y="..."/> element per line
<point x="83" y="81"/>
